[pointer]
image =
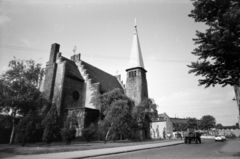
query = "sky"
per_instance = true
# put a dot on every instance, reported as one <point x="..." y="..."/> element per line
<point x="102" y="31"/>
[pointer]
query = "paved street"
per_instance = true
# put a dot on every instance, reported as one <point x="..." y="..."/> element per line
<point x="208" y="149"/>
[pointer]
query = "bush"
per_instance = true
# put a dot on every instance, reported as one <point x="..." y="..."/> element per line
<point x="89" y="132"/>
<point x="52" y="126"/>
<point x="26" y="129"/>
<point x="69" y="132"/>
<point x="233" y="136"/>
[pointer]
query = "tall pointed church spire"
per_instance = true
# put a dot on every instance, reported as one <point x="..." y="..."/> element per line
<point x="136" y="84"/>
<point x="136" y="59"/>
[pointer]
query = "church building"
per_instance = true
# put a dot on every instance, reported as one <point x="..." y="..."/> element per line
<point x="72" y="84"/>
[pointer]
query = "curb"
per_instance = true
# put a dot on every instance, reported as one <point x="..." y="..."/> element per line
<point x="126" y="151"/>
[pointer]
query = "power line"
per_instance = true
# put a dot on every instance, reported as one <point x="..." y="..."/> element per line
<point x="88" y="55"/>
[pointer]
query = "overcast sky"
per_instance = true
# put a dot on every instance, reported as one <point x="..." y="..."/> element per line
<point x="102" y="31"/>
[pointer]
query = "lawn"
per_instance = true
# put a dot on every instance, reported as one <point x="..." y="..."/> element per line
<point x="42" y="148"/>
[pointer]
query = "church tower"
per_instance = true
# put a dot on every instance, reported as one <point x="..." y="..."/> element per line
<point x="136" y="84"/>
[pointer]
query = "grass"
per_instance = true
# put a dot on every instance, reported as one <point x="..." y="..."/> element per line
<point x="42" y="148"/>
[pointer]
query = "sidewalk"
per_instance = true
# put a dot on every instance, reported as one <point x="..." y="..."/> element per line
<point x="90" y="153"/>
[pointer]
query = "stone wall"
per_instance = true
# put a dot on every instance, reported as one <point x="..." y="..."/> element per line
<point x="136" y="85"/>
<point x="49" y="81"/>
<point x="73" y="93"/>
<point x="50" y="72"/>
<point x="59" y="85"/>
<point x="80" y="114"/>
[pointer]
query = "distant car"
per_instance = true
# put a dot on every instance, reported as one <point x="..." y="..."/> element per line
<point x="223" y="137"/>
<point x="220" y="138"/>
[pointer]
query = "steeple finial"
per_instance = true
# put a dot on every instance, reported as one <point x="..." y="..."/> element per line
<point x="135" y="22"/>
<point x="136" y="59"/>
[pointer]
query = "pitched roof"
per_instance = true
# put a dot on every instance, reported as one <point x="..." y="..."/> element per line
<point x="72" y="69"/>
<point x="136" y="59"/>
<point x="108" y="82"/>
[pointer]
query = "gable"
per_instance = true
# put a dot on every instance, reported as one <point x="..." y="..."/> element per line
<point x="107" y="81"/>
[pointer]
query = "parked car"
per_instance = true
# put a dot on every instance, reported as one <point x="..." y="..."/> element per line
<point x="220" y="138"/>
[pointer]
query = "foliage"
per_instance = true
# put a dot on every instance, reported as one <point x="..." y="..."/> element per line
<point x="237" y="125"/>
<point x="192" y="123"/>
<point x="89" y="132"/>
<point x="19" y="87"/>
<point x="207" y="122"/>
<point x="52" y="126"/>
<point x="219" y="126"/>
<point x="69" y="130"/>
<point x="26" y="128"/>
<point x="146" y="111"/>
<point x="116" y="109"/>
<point x="19" y="91"/>
<point x="5" y="128"/>
<point x="218" y="47"/>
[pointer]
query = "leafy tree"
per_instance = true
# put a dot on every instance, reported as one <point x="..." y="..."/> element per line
<point x="5" y="128"/>
<point x="52" y="126"/>
<point x="237" y="125"/>
<point x="219" y="46"/>
<point x="19" y="91"/>
<point x="26" y="129"/>
<point x="69" y="130"/>
<point x="116" y="109"/>
<point x="144" y="113"/>
<point x="207" y="122"/>
<point x="89" y="132"/>
<point x="219" y="126"/>
<point x="192" y="123"/>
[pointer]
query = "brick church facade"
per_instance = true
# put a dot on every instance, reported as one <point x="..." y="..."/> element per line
<point x="72" y="84"/>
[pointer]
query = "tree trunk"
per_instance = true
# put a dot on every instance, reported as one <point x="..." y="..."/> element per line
<point x="13" y="129"/>
<point x="106" y="138"/>
<point x="237" y="94"/>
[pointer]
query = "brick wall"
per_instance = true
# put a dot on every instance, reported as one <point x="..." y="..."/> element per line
<point x="72" y="86"/>
<point x="136" y="85"/>
<point x="59" y="85"/>
<point x="49" y="79"/>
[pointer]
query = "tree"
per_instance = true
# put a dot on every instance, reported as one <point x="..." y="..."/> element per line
<point x="144" y="113"/>
<point x="219" y="46"/>
<point x="219" y="126"/>
<point x="207" y="122"/>
<point x="89" y="132"/>
<point x="237" y="125"/>
<point x="116" y="109"/>
<point x="192" y="123"/>
<point x="52" y="126"/>
<point x="19" y="91"/>
<point x="27" y="127"/>
<point x="69" y="130"/>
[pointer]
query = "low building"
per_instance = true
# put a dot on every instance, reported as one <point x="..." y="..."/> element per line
<point x="162" y="127"/>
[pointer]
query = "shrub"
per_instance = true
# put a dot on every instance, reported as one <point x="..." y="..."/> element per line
<point x="52" y="126"/>
<point x="26" y="129"/>
<point x="69" y="132"/>
<point x="89" y="132"/>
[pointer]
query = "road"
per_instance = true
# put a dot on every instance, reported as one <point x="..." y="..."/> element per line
<point x="208" y="149"/>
